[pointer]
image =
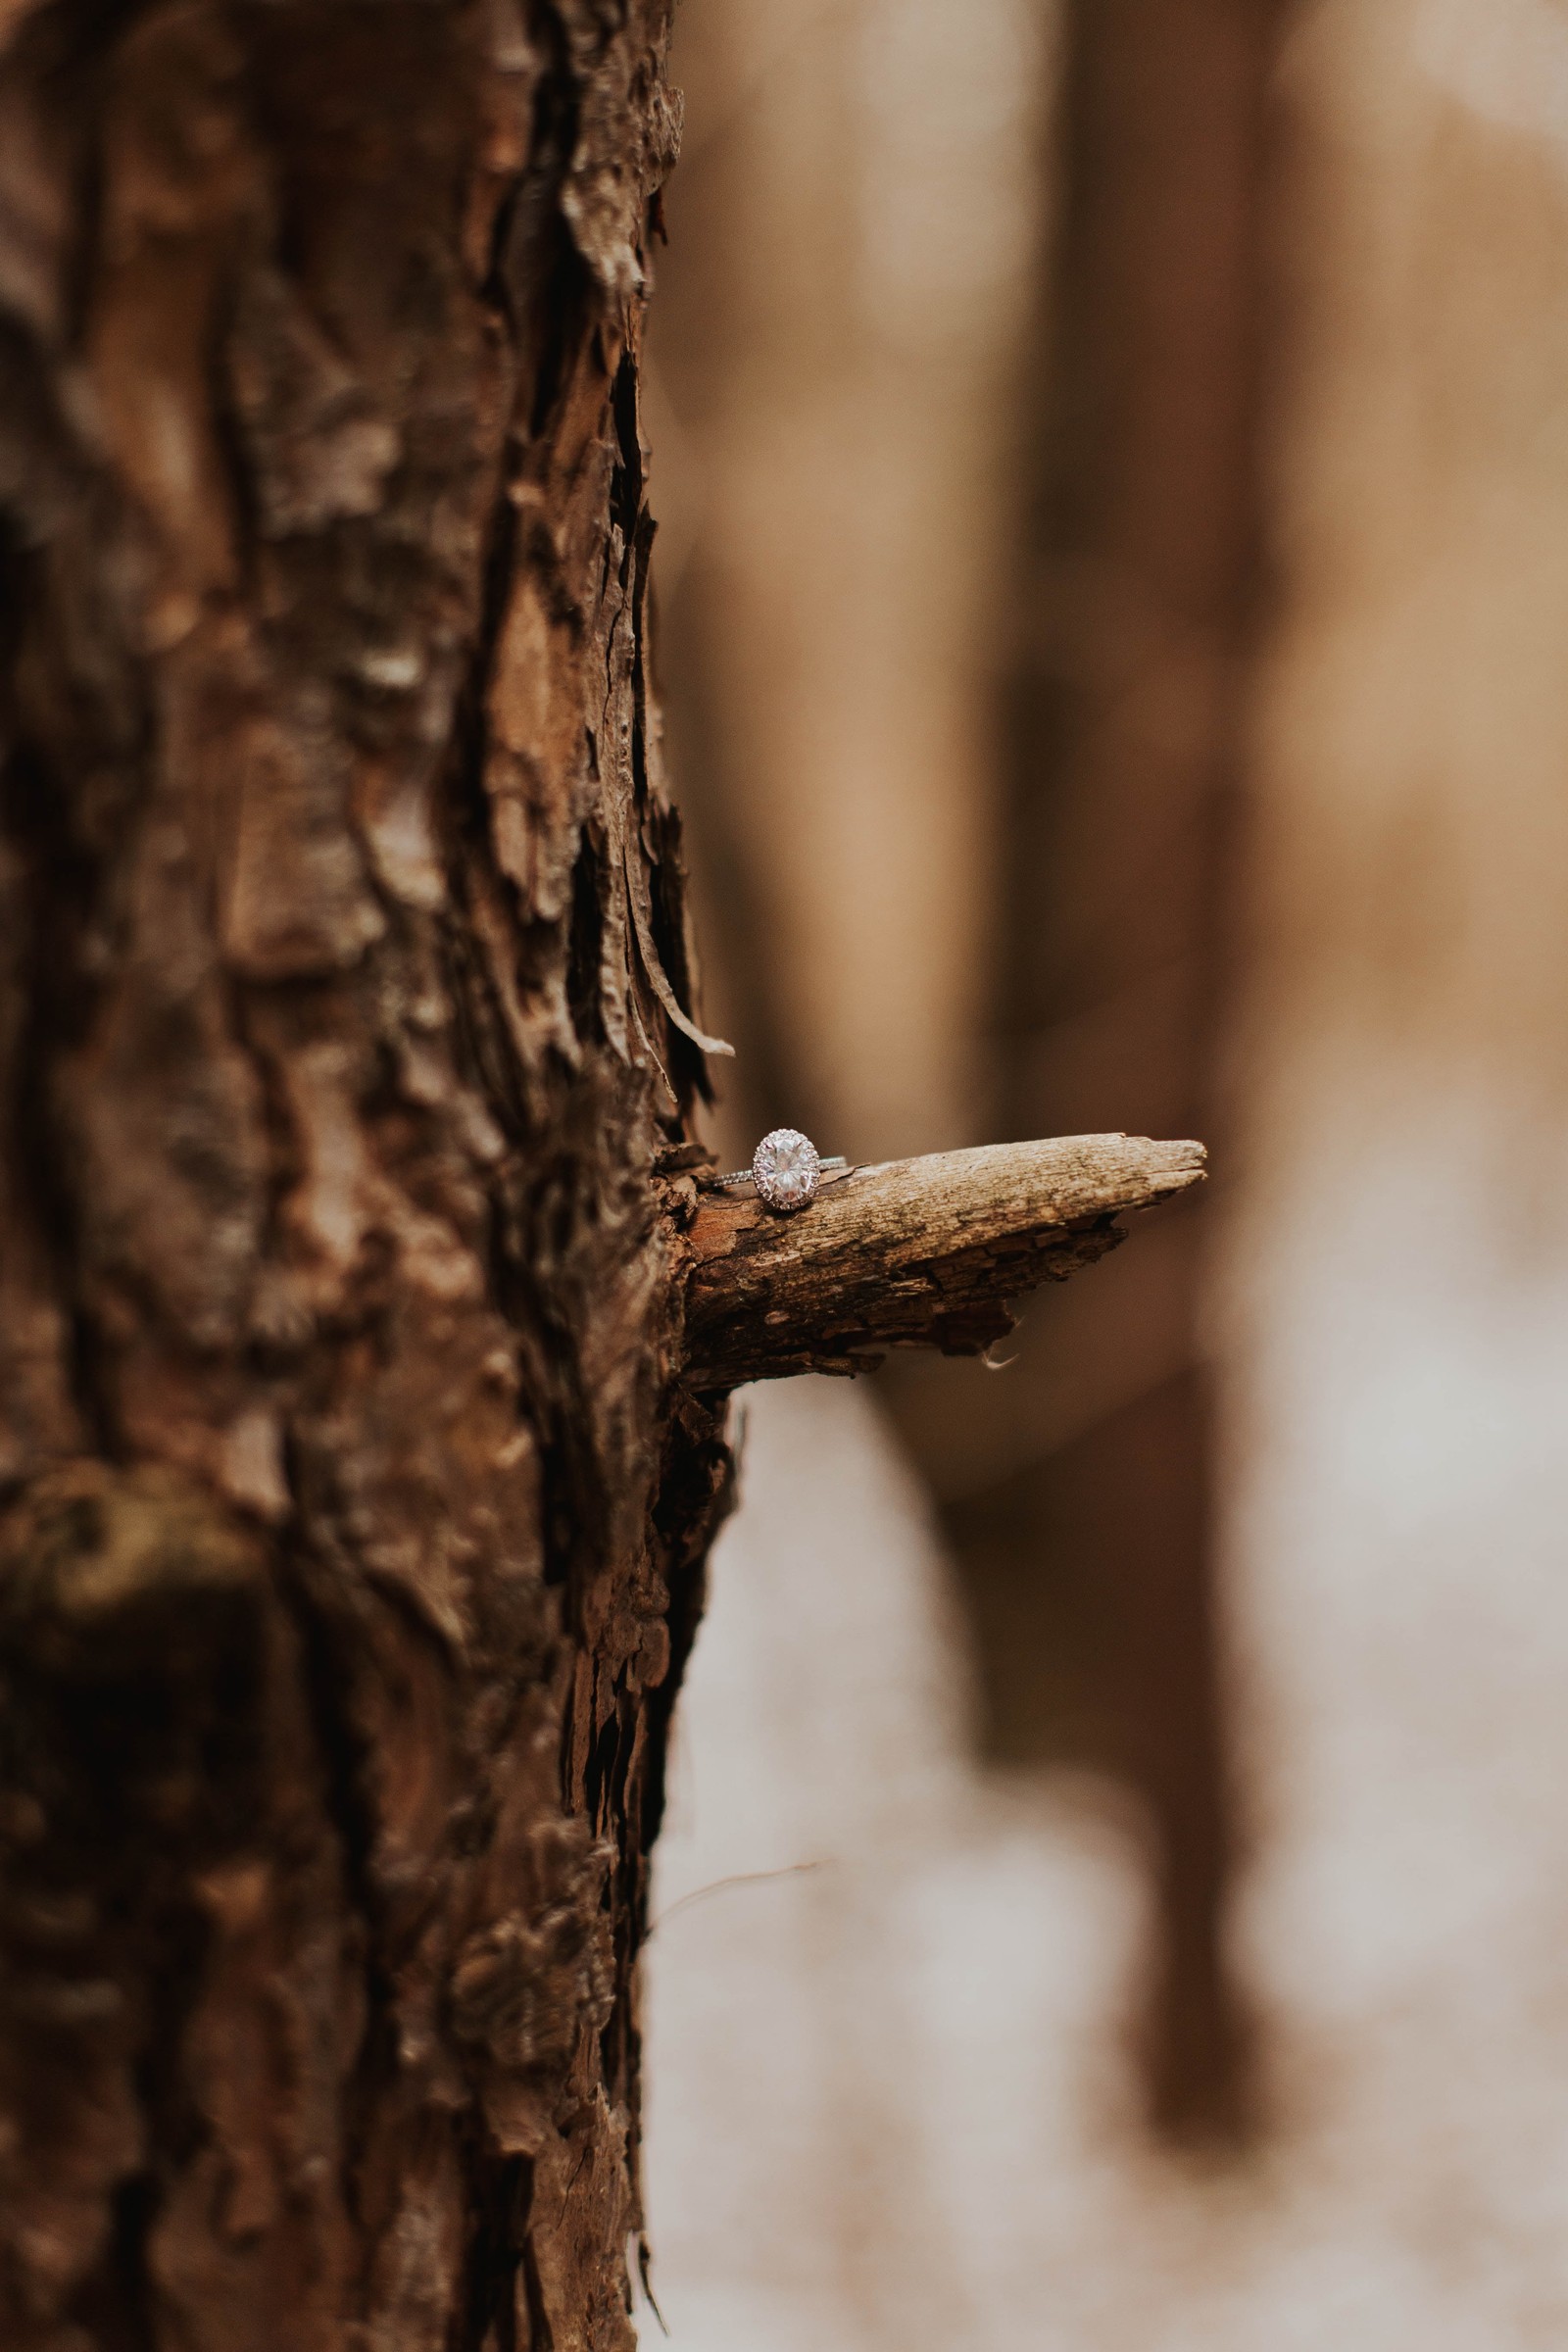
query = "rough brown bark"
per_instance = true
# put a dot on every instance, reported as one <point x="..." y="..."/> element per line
<point x="352" y="1505"/>
<point x="352" y="1535"/>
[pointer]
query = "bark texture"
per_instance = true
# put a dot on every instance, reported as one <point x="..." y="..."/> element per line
<point x="352" y="1537"/>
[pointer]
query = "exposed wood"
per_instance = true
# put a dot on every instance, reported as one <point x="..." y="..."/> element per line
<point x="928" y="1253"/>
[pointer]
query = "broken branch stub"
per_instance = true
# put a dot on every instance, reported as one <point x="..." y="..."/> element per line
<point x="930" y="1253"/>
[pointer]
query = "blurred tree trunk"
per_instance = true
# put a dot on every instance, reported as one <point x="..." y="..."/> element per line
<point x="1090" y="1538"/>
<point x="351" y="1540"/>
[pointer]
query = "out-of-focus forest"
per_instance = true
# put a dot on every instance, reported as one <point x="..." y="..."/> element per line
<point x="1112" y="459"/>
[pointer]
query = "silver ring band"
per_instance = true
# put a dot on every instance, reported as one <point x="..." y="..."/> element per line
<point x="744" y="1176"/>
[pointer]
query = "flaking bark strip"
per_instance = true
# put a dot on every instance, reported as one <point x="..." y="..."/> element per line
<point x="927" y="1253"/>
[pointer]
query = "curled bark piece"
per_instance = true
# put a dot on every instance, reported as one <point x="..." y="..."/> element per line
<point x="928" y="1253"/>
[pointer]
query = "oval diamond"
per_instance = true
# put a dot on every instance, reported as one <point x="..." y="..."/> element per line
<point x="785" y="1168"/>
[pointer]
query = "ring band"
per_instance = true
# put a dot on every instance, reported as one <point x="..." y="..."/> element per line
<point x="743" y="1175"/>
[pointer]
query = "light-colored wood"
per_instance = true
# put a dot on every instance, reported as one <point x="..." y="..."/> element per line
<point x="928" y="1253"/>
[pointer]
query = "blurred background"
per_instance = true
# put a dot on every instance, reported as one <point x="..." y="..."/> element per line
<point x="1112" y="459"/>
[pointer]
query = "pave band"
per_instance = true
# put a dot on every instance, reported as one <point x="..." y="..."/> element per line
<point x="744" y="1176"/>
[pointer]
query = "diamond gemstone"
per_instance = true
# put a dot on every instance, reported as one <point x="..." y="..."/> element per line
<point x="785" y="1168"/>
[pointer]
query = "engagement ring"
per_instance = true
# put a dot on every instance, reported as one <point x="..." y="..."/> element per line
<point x="785" y="1169"/>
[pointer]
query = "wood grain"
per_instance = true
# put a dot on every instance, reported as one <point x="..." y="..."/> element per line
<point x="927" y="1253"/>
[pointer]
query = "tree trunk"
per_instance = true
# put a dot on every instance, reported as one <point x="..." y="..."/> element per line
<point x="1127" y="706"/>
<point x="356" y="1473"/>
<point x="353" y="1541"/>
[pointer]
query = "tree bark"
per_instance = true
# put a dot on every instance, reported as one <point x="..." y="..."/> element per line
<point x="353" y="1541"/>
<point x="355" y="1505"/>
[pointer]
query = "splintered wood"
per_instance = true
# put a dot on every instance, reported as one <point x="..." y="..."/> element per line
<point x="928" y="1253"/>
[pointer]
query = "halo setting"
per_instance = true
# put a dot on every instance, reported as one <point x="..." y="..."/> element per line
<point x="785" y="1169"/>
